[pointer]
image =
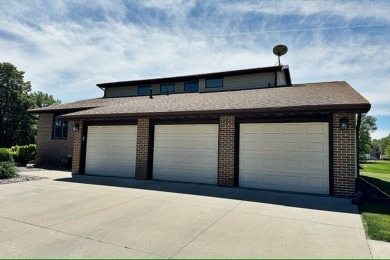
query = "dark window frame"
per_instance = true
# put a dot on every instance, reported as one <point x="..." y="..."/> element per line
<point x="207" y="80"/>
<point x="143" y="86"/>
<point x="167" y="84"/>
<point x="63" y="125"/>
<point x="191" y="82"/>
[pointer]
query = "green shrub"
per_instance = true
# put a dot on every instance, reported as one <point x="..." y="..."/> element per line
<point x="5" y="155"/>
<point x="7" y="170"/>
<point x="23" y="154"/>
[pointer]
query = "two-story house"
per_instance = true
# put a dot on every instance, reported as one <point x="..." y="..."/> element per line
<point x="249" y="128"/>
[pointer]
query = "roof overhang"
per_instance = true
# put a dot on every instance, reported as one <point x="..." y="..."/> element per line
<point x="300" y="109"/>
<point x="196" y="77"/>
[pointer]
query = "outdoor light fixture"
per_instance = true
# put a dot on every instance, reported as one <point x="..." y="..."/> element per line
<point x="343" y="123"/>
<point x="76" y="127"/>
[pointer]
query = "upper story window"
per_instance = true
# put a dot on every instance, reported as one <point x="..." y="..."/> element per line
<point x="143" y="90"/>
<point x="214" y="83"/>
<point x="164" y="88"/>
<point x="60" y="128"/>
<point x="191" y="86"/>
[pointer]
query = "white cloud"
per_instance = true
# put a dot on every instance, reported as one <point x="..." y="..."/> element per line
<point x="67" y="47"/>
<point x="376" y="11"/>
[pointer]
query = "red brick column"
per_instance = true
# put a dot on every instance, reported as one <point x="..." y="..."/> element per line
<point x="77" y="146"/>
<point x="344" y="156"/>
<point x="142" y="156"/>
<point x="226" y="145"/>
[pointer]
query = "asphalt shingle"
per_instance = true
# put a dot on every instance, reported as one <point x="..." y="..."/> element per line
<point x="322" y="96"/>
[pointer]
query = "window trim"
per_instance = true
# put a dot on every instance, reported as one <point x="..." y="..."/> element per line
<point x="167" y="84"/>
<point x="214" y="79"/>
<point x="61" y="137"/>
<point x="140" y="86"/>
<point x="191" y="90"/>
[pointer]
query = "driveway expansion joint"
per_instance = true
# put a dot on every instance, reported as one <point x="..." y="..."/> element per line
<point x="297" y="220"/>
<point x="212" y="224"/>
<point x="83" y="237"/>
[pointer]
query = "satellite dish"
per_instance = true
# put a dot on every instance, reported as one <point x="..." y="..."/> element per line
<point x="280" y="50"/>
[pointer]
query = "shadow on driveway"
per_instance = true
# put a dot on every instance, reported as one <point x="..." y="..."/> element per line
<point x="309" y="201"/>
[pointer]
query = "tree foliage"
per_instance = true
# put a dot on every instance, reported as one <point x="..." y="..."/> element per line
<point x="15" y="123"/>
<point x="41" y="99"/>
<point x="17" y="127"/>
<point x="382" y="145"/>
<point x="367" y="126"/>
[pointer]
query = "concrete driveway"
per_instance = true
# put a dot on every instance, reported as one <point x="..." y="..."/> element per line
<point x="81" y="218"/>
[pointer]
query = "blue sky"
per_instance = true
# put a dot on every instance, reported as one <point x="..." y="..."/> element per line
<point x="67" y="47"/>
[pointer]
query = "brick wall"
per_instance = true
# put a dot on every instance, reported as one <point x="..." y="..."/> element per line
<point x="51" y="151"/>
<point x="344" y="156"/>
<point x="77" y="146"/>
<point x="143" y="142"/>
<point x="226" y="151"/>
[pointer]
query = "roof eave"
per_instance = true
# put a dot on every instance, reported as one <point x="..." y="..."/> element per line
<point x="57" y="110"/>
<point x="357" y="108"/>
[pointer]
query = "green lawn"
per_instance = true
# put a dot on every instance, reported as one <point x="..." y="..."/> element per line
<point x="376" y="214"/>
<point x="378" y="174"/>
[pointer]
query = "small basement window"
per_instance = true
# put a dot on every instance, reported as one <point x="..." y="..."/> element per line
<point x="214" y="83"/>
<point x="143" y="90"/>
<point x="60" y="128"/>
<point x="167" y="87"/>
<point x="191" y="86"/>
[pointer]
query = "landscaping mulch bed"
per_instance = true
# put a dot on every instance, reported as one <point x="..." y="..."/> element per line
<point x="20" y="178"/>
<point x="370" y="192"/>
<point x="23" y="177"/>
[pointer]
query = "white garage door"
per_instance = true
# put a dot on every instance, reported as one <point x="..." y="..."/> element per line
<point x="186" y="153"/>
<point x="289" y="157"/>
<point x="111" y="150"/>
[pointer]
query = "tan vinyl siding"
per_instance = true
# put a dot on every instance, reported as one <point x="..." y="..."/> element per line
<point x="121" y="91"/>
<point x="258" y="80"/>
<point x="248" y="81"/>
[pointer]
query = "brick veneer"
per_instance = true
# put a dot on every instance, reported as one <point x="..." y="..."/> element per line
<point x="226" y="145"/>
<point x="143" y="142"/>
<point x="343" y="150"/>
<point x="77" y="147"/>
<point x="344" y="156"/>
<point x="51" y="151"/>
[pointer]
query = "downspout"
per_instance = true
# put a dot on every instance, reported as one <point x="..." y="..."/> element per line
<point x="359" y="120"/>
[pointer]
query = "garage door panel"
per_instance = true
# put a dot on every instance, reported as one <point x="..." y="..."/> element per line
<point x="186" y="153"/>
<point x="315" y="147"/>
<point x="316" y="129"/>
<point x="292" y="181"/>
<point x="292" y="157"/>
<point x="111" y="150"/>
<point x="316" y="183"/>
<point x="270" y="129"/>
<point x="292" y="129"/>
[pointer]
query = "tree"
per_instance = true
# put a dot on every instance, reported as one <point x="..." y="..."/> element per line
<point x="17" y="127"/>
<point x="387" y="151"/>
<point x="41" y="99"/>
<point x="15" y="123"/>
<point x="367" y="126"/>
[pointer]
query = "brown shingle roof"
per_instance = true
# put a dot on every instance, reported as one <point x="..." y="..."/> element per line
<point x="325" y="96"/>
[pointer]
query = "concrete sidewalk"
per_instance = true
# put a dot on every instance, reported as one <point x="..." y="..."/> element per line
<point x="79" y="217"/>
